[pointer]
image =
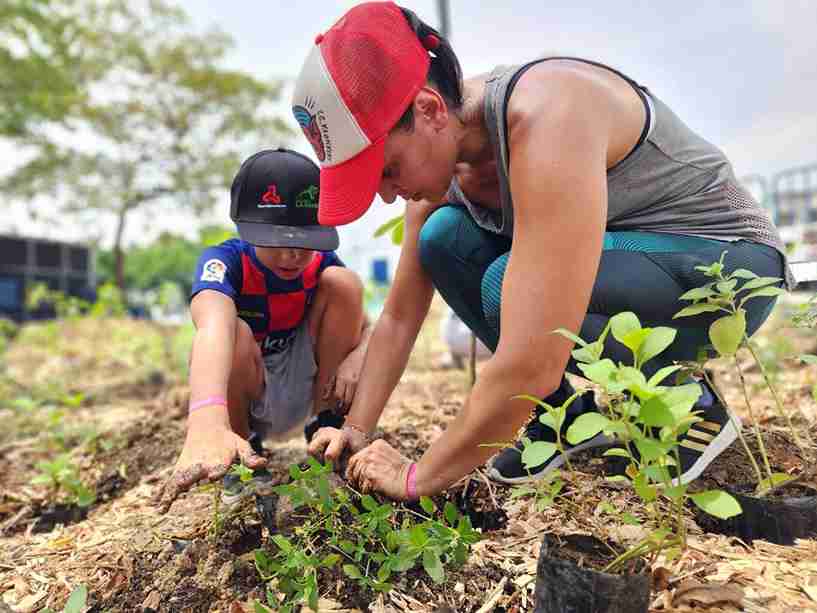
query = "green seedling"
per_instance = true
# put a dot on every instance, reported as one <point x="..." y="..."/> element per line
<point x="243" y="473"/>
<point x="727" y="294"/>
<point x="370" y="541"/>
<point x="62" y="476"/>
<point x="649" y="418"/>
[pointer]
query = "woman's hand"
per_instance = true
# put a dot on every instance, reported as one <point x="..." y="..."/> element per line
<point x="340" y="391"/>
<point x="207" y="455"/>
<point x="329" y="444"/>
<point x="380" y="468"/>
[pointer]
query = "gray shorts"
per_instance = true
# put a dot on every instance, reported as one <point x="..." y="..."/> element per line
<point x="289" y="377"/>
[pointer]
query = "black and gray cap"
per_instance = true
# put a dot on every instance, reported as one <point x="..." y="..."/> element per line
<point x="274" y="202"/>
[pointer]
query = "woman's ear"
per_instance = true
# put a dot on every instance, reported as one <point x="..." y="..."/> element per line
<point x="430" y="108"/>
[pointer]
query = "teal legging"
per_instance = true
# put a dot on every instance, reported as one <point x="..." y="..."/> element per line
<point x="642" y="272"/>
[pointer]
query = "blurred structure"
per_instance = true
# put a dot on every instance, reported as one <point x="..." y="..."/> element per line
<point x="25" y="261"/>
<point x="791" y="199"/>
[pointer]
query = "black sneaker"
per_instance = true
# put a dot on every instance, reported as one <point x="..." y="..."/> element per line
<point x="324" y="419"/>
<point x="706" y="439"/>
<point x="507" y="467"/>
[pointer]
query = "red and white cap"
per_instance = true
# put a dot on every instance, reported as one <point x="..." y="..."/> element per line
<point x="356" y="83"/>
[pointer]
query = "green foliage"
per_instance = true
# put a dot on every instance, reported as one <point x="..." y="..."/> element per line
<point x="243" y="473"/>
<point x="806" y="316"/>
<point x="168" y="260"/>
<point x="109" y="302"/>
<point x="63" y="477"/>
<point x="649" y="419"/>
<point x="42" y="71"/>
<point x="395" y="227"/>
<point x="370" y="541"/>
<point x="164" y="123"/>
<point x="545" y="492"/>
<point x="727" y="294"/>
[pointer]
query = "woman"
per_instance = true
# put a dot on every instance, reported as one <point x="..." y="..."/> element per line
<point x="551" y="195"/>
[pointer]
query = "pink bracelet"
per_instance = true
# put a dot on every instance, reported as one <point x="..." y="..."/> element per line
<point x="411" y="482"/>
<point x="204" y="402"/>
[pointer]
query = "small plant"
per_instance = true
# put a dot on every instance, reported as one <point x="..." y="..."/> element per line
<point x="727" y="294"/>
<point x="63" y="477"/>
<point x="649" y="419"/>
<point x="806" y="316"/>
<point x="369" y="540"/>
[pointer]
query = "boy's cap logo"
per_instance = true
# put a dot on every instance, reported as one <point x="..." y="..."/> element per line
<point x="308" y="199"/>
<point x="271" y="197"/>
<point x="311" y="126"/>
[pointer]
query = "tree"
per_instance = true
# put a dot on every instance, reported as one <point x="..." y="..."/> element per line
<point x="164" y="128"/>
<point x="169" y="258"/>
<point x="41" y="66"/>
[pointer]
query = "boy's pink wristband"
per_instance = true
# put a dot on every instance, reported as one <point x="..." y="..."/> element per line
<point x="411" y="482"/>
<point x="204" y="402"/>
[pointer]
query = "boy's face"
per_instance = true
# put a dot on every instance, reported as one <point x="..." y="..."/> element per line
<point x="285" y="262"/>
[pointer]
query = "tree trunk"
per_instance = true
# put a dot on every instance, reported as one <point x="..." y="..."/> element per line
<point x="118" y="253"/>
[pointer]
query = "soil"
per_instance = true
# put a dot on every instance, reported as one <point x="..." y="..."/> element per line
<point x="132" y="558"/>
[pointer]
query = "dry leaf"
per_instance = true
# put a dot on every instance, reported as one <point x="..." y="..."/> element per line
<point x="699" y="594"/>
<point x="29" y="603"/>
<point x="237" y="607"/>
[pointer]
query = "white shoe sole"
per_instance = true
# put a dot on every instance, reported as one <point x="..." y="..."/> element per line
<point x="727" y="436"/>
<point x="600" y="440"/>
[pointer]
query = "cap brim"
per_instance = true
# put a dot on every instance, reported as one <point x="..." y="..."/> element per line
<point x="348" y="189"/>
<point x="319" y="238"/>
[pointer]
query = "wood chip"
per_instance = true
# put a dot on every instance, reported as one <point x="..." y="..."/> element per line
<point x="694" y="594"/>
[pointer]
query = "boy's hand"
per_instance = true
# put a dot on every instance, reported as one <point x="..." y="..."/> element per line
<point x="328" y="444"/>
<point x="340" y="390"/>
<point x="206" y="456"/>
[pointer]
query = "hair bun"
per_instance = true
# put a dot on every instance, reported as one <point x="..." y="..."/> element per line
<point x="431" y="42"/>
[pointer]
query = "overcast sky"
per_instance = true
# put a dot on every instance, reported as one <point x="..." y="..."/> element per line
<point x="741" y="73"/>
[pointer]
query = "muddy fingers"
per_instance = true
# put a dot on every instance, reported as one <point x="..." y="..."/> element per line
<point x="178" y="483"/>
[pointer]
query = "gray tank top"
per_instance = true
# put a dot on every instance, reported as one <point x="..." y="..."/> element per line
<point x="672" y="181"/>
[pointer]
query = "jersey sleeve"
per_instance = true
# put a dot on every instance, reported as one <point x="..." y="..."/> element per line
<point x="330" y="258"/>
<point x="218" y="268"/>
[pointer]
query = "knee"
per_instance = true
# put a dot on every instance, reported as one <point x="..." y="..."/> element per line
<point x="341" y="286"/>
<point x="246" y="349"/>
<point x="435" y="240"/>
<point x="491" y="291"/>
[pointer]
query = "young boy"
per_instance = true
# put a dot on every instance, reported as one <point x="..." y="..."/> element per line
<point x="279" y="321"/>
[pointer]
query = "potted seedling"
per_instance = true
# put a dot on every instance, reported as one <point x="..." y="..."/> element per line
<point x="648" y="418"/>
<point x="767" y="514"/>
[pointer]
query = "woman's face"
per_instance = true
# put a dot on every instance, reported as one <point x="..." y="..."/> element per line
<point x="419" y="163"/>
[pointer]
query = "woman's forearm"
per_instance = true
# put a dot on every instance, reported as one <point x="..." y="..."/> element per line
<point x="388" y="351"/>
<point x="489" y="419"/>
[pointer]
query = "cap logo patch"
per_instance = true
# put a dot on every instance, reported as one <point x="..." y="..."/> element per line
<point x="307" y="199"/>
<point x="271" y="198"/>
<point x="314" y="128"/>
<point x="213" y="270"/>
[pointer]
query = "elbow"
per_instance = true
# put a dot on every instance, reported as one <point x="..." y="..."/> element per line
<point x="525" y="377"/>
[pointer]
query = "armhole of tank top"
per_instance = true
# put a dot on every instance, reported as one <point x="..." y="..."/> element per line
<point x="648" y="118"/>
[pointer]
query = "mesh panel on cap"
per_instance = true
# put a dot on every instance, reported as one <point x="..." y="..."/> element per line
<point x="377" y="64"/>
